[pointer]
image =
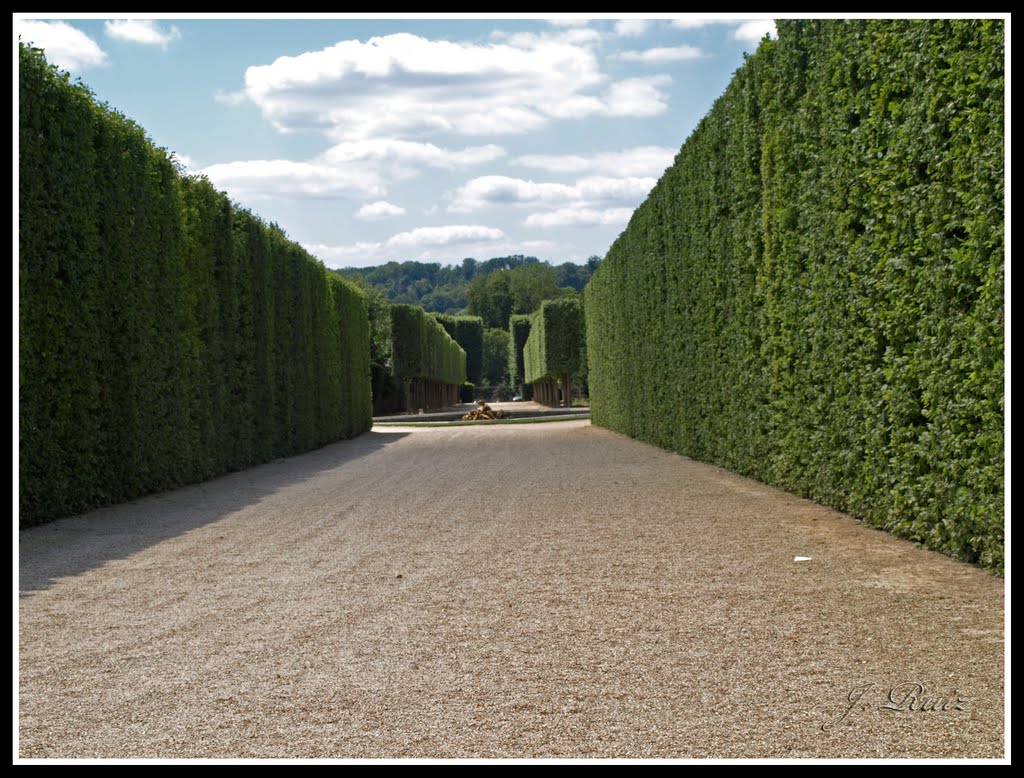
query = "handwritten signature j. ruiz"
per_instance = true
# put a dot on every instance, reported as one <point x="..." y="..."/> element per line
<point x="905" y="697"/>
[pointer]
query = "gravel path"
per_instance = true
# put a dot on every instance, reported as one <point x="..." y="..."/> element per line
<point x="550" y="590"/>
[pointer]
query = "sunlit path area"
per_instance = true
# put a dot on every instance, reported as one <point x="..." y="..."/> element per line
<point x="549" y="590"/>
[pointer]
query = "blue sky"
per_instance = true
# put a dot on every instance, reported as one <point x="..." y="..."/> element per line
<point x="416" y="139"/>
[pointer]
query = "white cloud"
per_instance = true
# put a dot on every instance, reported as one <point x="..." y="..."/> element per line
<point x="630" y="28"/>
<point x="282" y="177"/>
<point x="568" y="34"/>
<point x="143" y="31"/>
<point x="185" y="161"/>
<point x="423" y="243"/>
<point x="488" y="191"/>
<point x="365" y="254"/>
<point x="663" y="54"/>
<point x="568" y="21"/>
<point x="403" y="85"/>
<point x="379" y="210"/>
<point x="409" y="152"/>
<point x="747" y="30"/>
<point x="637" y="161"/>
<point x="579" y="216"/>
<point x="66" y="47"/>
<point x="230" y="98"/>
<point x="693" y="23"/>
<point x="638" y="96"/>
<point x="362" y="254"/>
<point x="352" y="169"/>
<point x="444" y="236"/>
<point x="503" y="190"/>
<point x="754" y="30"/>
<point x="604" y="188"/>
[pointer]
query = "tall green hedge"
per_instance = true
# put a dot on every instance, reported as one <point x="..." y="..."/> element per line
<point x="813" y="294"/>
<point x="468" y="332"/>
<point x="519" y="328"/>
<point x="164" y="335"/>
<point x="422" y="349"/>
<point x="554" y="345"/>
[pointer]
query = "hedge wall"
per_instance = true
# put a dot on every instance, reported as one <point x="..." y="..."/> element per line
<point x="468" y="332"/>
<point x="164" y="336"/>
<point x="519" y="327"/>
<point x="422" y="349"/>
<point x="556" y="337"/>
<point x="813" y="294"/>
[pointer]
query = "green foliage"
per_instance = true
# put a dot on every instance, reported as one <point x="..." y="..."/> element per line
<point x="813" y="294"/>
<point x="496" y="347"/>
<point x="519" y="329"/>
<point x="422" y="349"/>
<point x="468" y="332"/>
<point x="382" y="382"/>
<point x="443" y="289"/>
<point x="554" y="345"/>
<point x="164" y="336"/>
<point x="499" y="295"/>
<point x="490" y="298"/>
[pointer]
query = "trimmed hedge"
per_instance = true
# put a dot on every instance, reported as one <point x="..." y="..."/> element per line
<point x="813" y="294"/>
<point x="519" y="328"/>
<point x="422" y="349"/>
<point x="165" y="336"/>
<point x="554" y="345"/>
<point x="468" y="332"/>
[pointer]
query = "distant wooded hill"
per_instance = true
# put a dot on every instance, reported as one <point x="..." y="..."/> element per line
<point x="455" y="288"/>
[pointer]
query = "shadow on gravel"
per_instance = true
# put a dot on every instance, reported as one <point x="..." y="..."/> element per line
<point x="68" y="547"/>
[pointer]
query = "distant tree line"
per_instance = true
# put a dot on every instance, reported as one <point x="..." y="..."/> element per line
<point x="493" y="289"/>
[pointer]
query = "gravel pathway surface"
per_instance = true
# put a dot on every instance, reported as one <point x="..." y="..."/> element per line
<point x="550" y="590"/>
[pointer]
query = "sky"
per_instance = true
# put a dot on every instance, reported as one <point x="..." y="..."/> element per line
<point x="430" y="139"/>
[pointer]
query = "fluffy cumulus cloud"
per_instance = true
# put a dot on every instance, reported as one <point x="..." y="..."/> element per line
<point x="638" y="96"/>
<point x="351" y="169"/>
<point x="630" y="28"/>
<point x="488" y="191"/>
<point x="572" y="34"/>
<point x="657" y="56"/>
<point x="381" y="209"/>
<point x="504" y="190"/>
<point x="747" y="30"/>
<point x="444" y="236"/>
<point x="145" y="31"/>
<point x="695" y="22"/>
<point x="403" y="85"/>
<point x="579" y="216"/>
<point x="754" y="30"/>
<point x="250" y="179"/>
<point x="603" y="188"/>
<point x="637" y="161"/>
<point x="589" y="201"/>
<point x="66" y="47"/>
<point x="447" y="243"/>
<point x="185" y="161"/>
<point x="361" y="254"/>
<point x="568" y="21"/>
<point x="404" y="157"/>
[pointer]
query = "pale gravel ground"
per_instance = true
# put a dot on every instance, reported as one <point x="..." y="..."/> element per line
<point x="551" y="590"/>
